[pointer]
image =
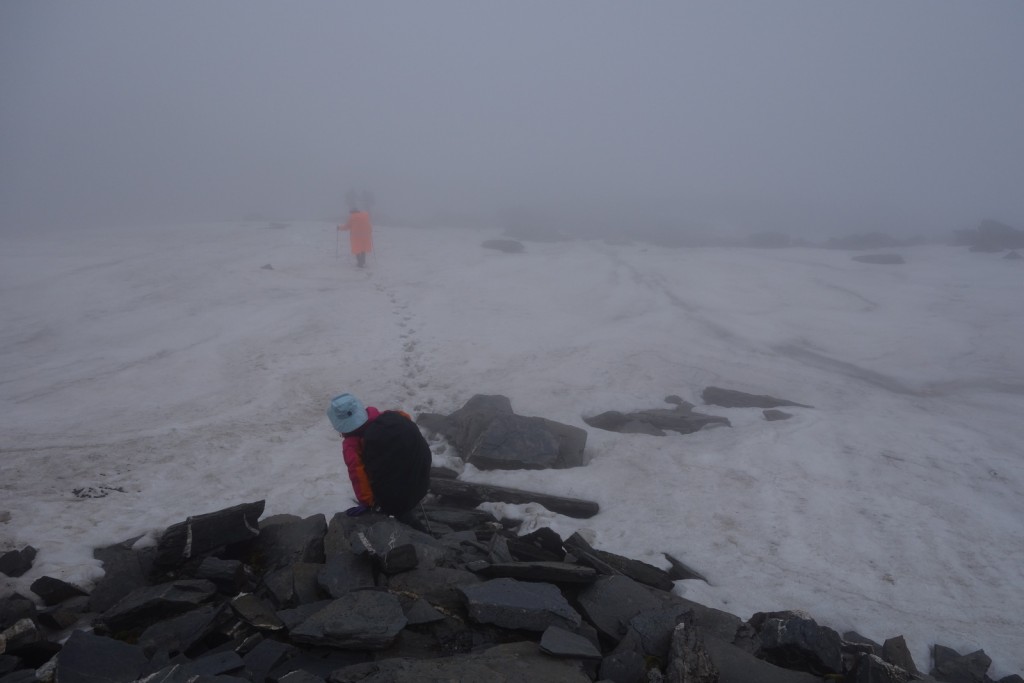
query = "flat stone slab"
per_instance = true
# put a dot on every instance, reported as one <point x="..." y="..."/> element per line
<point x="558" y="642"/>
<point x="550" y="572"/>
<point x="88" y="658"/>
<point x="519" y="605"/>
<point x="511" y="663"/>
<point x="147" y="605"/>
<point x="364" y="620"/>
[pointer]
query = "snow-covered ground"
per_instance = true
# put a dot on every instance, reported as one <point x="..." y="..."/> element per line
<point x="150" y="374"/>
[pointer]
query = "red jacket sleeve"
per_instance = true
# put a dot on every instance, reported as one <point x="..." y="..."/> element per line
<point x="352" y="451"/>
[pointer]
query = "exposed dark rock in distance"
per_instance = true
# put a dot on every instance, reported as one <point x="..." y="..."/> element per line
<point x="730" y="398"/>
<point x="880" y="259"/>
<point x="507" y="246"/>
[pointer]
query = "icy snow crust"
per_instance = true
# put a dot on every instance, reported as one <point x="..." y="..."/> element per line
<point x="150" y="374"/>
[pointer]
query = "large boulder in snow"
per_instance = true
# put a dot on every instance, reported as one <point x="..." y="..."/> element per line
<point x="486" y="432"/>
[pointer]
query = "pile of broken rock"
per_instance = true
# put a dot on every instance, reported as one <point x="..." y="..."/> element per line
<point x="229" y="597"/>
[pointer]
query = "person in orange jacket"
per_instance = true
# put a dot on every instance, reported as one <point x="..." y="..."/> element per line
<point x="360" y="234"/>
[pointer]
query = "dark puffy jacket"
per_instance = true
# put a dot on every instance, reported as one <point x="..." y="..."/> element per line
<point x="397" y="461"/>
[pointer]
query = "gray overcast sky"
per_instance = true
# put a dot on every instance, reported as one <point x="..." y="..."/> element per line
<point x="815" y="116"/>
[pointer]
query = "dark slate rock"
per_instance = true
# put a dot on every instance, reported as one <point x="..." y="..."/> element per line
<point x="364" y="620"/>
<point x="20" y="676"/>
<point x="438" y="585"/>
<point x="319" y="662"/>
<point x="344" y="573"/>
<point x="688" y="659"/>
<point x="21" y="636"/>
<point x="386" y="533"/>
<point x="88" y="658"/>
<point x="626" y="666"/>
<point x="775" y="415"/>
<point x="144" y="606"/>
<point x="285" y="541"/>
<point x="798" y="643"/>
<point x="656" y="421"/>
<point x="510" y="663"/>
<point x="896" y="652"/>
<point x="880" y="259"/>
<point x="852" y="638"/>
<point x="586" y="555"/>
<point x="339" y="529"/>
<point x="498" y="551"/>
<point x="638" y="571"/>
<point x="969" y="668"/>
<point x="14" y="563"/>
<point x="730" y="398"/>
<point x="514" y="442"/>
<point x="203" y="533"/>
<point x="546" y="542"/>
<point x="8" y="663"/>
<point x="558" y="642"/>
<point x="300" y="677"/>
<point x="305" y="582"/>
<point x="942" y="654"/>
<point x="549" y="572"/>
<point x="54" y="591"/>
<point x="294" y="585"/>
<point x="1012" y="678"/>
<point x="681" y="571"/>
<point x="227" y="575"/>
<point x="519" y="605"/>
<point x="179" y="634"/>
<point x="293" y="617"/>
<point x="266" y="656"/>
<point x="868" y="668"/>
<point x="64" y="615"/>
<point x="14" y="608"/>
<point x="736" y="666"/>
<point x="399" y="559"/>
<point x="215" y="664"/>
<point x="611" y="601"/>
<point x="651" y="630"/>
<point x="124" y="570"/>
<point x="256" y="613"/>
<point x="422" y="612"/>
<point x="456" y="518"/>
<point x="572" y="443"/>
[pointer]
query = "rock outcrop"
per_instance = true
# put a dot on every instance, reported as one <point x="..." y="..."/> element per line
<point x="367" y="598"/>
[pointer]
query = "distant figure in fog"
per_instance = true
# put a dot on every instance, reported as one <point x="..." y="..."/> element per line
<point x="360" y="234"/>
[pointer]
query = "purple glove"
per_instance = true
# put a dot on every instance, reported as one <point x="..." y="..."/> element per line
<point x="357" y="510"/>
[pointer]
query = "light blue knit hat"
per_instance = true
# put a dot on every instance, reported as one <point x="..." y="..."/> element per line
<point x="347" y="413"/>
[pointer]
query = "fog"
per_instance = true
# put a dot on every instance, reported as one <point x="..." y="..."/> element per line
<point x="805" y="117"/>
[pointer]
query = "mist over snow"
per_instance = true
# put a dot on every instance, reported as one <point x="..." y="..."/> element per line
<point x="154" y="157"/>
<point x="149" y="375"/>
<point x="741" y="116"/>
